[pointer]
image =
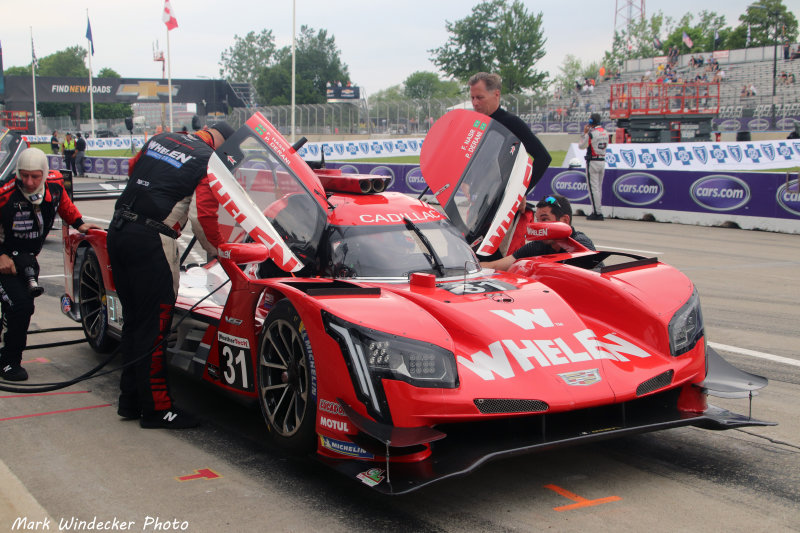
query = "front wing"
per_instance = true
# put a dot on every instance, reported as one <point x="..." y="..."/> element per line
<point x="459" y="449"/>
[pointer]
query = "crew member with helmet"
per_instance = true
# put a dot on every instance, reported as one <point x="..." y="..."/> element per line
<point x="595" y="140"/>
<point x="28" y="207"/>
<point x="149" y="215"/>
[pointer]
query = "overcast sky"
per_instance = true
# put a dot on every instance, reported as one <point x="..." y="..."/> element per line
<point x="382" y="42"/>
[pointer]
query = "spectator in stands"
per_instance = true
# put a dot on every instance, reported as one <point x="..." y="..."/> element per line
<point x="673" y="55"/>
<point x="719" y="77"/>
<point x="791" y="79"/>
<point x="784" y="78"/>
<point x="752" y="90"/>
<point x="744" y="92"/>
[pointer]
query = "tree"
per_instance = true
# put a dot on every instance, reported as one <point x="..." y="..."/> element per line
<point x="108" y="111"/>
<point x="701" y="34"/>
<point x="769" y="21"/>
<point x="317" y="61"/>
<point x="638" y="40"/>
<point x="64" y="63"/>
<point x="497" y="37"/>
<point x="248" y="56"/>
<point x="572" y="68"/>
<point x="422" y="85"/>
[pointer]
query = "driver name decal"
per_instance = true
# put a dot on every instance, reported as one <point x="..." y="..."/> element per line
<point x="474" y="137"/>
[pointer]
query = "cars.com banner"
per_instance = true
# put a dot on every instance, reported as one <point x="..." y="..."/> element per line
<point x="752" y="200"/>
<point x="702" y="156"/>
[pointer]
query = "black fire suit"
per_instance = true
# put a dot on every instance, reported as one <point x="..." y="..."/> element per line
<point x="143" y="253"/>
<point x="23" y="229"/>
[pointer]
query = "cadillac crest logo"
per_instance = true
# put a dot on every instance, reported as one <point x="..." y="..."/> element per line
<point x="581" y="377"/>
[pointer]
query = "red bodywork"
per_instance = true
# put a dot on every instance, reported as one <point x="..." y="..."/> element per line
<point x="557" y="350"/>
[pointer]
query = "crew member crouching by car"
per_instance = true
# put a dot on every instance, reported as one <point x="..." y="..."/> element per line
<point x="28" y="207"/>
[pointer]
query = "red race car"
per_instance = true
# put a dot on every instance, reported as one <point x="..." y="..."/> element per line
<point x="364" y="326"/>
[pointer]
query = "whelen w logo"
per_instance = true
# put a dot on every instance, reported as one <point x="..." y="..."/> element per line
<point x="720" y="193"/>
<point x="638" y="188"/>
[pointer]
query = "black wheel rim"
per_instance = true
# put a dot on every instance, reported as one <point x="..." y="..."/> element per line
<point x="283" y="386"/>
<point x="92" y="300"/>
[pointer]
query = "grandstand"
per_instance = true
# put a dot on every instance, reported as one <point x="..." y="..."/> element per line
<point x="742" y="68"/>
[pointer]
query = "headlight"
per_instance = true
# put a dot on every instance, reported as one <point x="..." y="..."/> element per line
<point x="373" y="355"/>
<point x="686" y="326"/>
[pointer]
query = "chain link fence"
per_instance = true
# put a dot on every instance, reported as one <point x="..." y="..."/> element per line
<point x="376" y="117"/>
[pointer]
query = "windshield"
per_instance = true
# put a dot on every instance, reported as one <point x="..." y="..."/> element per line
<point x="395" y="251"/>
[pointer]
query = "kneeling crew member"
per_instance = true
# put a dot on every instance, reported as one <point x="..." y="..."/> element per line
<point x="28" y="207"/>
<point x="149" y="215"/>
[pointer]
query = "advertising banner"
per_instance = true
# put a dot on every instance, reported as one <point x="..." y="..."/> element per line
<point x="343" y="150"/>
<point x="767" y="201"/>
<point x="702" y="156"/>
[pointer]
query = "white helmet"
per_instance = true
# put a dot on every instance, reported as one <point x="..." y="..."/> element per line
<point x="575" y="163"/>
<point x="33" y="159"/>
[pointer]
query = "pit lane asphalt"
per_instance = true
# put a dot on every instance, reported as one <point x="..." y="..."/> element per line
<point x="69" y="455"/>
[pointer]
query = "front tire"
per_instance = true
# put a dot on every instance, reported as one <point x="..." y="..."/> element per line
<point x="92" y="305"/>
<point x="285" y="373"/>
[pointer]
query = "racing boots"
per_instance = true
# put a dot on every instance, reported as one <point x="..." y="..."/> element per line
<point x="168" y="419"/>
<point x="13" y="373"/>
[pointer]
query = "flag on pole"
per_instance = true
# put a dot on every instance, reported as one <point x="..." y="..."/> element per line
<point x="716" y="38"/>
<point x="89" y="34"/>
<point x="34" y="61"/>
<point x="687" y="40"/>
<point x="657" y="43"/>
<point x="747" y="42"/>
<point x="169" y="16"/>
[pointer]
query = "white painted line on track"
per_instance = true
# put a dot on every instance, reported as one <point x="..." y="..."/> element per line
<point x="753" y="353"/>
<point x="601" y="247"/>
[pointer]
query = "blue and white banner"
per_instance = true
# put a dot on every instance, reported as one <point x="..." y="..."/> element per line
<point x="371" y="148"/>
<point x="96" y="143"/>
<point x="699" y="156"/>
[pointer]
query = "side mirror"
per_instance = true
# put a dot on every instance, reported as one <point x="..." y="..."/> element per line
<point x="244" y="253"/>
<point x="196" y="123"/>
<point x="545" y="231"/>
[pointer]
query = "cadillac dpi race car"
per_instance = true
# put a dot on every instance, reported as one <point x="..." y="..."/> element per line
<point x="365" y="328"/>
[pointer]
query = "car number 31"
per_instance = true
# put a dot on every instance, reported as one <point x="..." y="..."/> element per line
<point x="235" y="358"/>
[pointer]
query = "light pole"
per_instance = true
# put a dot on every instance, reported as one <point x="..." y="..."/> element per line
<point x="773" y="13"/>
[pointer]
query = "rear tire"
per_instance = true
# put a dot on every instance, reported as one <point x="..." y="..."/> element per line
<point x="92" y="305"/>
<point x="285" y="366"/>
